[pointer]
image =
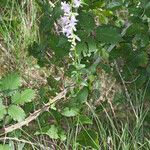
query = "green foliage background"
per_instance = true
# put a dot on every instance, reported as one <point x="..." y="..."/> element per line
<point x="115" y="39"/>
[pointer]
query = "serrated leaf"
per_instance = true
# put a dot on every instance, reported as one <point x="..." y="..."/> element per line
<point x="23" y="97"/>
<point x="86" y="21"/>
<point x="5" y="147"/>
<point x="16" y="112"/>
<point x="88" y="138"/>
<point x="53" y="132"/>
<point x="46" y="24"/>
<point x="108" y="34"/>
<point x="70" y="112"/>
<point x="10" y="82"/>
<point x="82" y="34"/>
<point x="59" y="45"/>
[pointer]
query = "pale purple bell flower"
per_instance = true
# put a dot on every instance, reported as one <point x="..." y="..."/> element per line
<point x="77" y="3"/>
<point x="65" y="7"/>
<point x="72" y="23"/>
<point x="73" y="20"/>
<point x="67" y="31"/>
<point x="68" y="22"/>
<point x="64" y="20"/>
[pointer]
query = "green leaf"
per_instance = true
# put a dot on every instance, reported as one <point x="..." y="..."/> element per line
<point x="46" y="24"/>
<point x="59" y="45"/>
<point x="88" y="138"/>
<point x="5" y="147"/>
<point x="10" y="82"/>
<point x="86" y="21"/>
<point x="105" y="67"/>
<point x="82" y="95"/>
<point x="37" y="50"/>
<point x="57" y="11"/>
<point x="62" y="136"/>
<point x="70" y="112"/>
<point x="3" y="3"/>
<point x="137" y="28"/>
<point x="43" y="130"/>
<point x="142" y="59"/>
<point x="141" y="79"/>
<point x="53" y="132"/>
<point x="144" y="38"/>
<point x="16" y="112"/>
<point x="82" y="34"/>
<point x="23" y="97"/>
<point x="56" y="115"/>
<point x="84" y="120"/>
<point x="148" y="68"/>
<point x="92" y="47"/>
<point x="54" y="84"/>
<point x="2" y="110"/>
<point x="104" y="54"/>
<point x="82" y="48"/>
<point x="114" y="5"/>
<point x="147" y="12"/>
<point x="108" y="34"/>
<point x="146" y="5"/>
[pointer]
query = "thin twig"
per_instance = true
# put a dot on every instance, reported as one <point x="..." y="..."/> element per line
<point x="34" y="115"/>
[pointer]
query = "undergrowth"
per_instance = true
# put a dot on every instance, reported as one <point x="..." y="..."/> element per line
<point x="95" y="96"/>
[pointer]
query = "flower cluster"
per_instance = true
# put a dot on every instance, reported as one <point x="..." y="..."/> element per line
<point x="68" y="21"/>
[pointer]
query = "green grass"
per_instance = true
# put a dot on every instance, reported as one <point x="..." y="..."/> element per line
<point x="18" y="27"/>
